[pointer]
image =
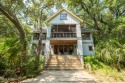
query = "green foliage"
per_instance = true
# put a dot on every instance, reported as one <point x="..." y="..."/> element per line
<point x="10" y="59"/>
<point x="112" y="51"/>
<point x="109" y="73"/>
<point x="105" y="17"/>
<point x="103" y="70"/>
<point x="30" y="67"/>
<point x="24" y="14"/>
<point x="93" y="61"/>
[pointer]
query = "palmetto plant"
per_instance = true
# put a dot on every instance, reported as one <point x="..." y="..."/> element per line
<point x="11" y="53"/>
<point x="113" y="53"/>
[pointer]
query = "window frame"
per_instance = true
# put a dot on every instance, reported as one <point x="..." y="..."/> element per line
<point x="90" y="47"/>
<point x="44" y="36"/>
<point x="36" y="36"/>
<point x="85" y="36"/>
<point x="63" y="18"/>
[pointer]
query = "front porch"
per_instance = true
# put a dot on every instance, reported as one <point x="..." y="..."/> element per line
<point x="64" y="47"/>
<point x="61" y="53"/>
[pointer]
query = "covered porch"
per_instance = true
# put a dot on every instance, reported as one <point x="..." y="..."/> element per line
<point x="64" y="47"/>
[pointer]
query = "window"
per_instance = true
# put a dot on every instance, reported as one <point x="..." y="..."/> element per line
<point x="86" y="36"/>
<point x="43" y="47"/>
<point x="36" y="36"/>
<point x="44" y="36"/>
<point x="63" y="16"/>
<point x="90" y="48"/>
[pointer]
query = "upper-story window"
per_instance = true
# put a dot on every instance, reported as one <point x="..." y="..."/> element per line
<point x="44" y="36"/>
<point x="63" y="16"/>
<point x="86" y="36"/>
<point x="36" y="36"/>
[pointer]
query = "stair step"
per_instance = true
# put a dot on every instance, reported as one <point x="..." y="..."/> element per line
<point x="61" y="56"/>
<point x="57" y="68"/>
<point x="64" y="65"/>
<point x="65" y="62"/>
<point x="60" y="66"/>
<point x="65" y="57"/>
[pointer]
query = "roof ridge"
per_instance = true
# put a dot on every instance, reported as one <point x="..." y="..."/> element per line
<point x="63" y="9"/>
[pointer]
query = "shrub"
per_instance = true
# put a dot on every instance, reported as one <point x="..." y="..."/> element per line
<point x="93" y="61"/>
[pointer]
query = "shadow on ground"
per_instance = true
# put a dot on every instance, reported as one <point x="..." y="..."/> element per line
<point x="62" y="76"/>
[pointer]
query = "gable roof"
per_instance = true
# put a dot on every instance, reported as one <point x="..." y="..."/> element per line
<point x="54" y="15"/>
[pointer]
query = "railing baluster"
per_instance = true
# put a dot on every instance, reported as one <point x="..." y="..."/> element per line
<point x="63" y="34"/>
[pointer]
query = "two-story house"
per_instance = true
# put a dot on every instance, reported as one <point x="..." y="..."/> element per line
<point x="66" y="35"/>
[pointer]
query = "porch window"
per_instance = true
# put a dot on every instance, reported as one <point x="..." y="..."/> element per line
<point x="86" y="36"/>
<point x="36" y="36"/>
<point x="63" y="16"/>
<point x="43" y="47"/>
<point x="44" y="36"/>
<point x="90" y="48"/>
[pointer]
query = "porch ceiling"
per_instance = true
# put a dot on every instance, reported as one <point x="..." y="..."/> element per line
<point x="57" y="42"/>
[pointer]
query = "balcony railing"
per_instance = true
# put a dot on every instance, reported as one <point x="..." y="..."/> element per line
<point x="86" y="38"/>
<point x="63" y="35"/>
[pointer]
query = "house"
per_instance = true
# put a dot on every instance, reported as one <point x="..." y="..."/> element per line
<point x="66" y="34"/>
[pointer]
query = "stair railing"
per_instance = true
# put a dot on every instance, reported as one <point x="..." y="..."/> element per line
<point x="47" y="56"/>
<point x="80" y="57"/>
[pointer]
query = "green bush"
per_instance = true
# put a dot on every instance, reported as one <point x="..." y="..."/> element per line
<point x="30" y="67"/>
<point x="93" y="61"/>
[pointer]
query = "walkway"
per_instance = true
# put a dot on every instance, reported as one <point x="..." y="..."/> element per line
<point x="62" y="76"/>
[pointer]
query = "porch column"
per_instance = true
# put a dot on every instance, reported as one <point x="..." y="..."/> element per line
<point x="49" y="31"/>
<point x="47" y="44"/>
<point x="47" y="47"/>
<point x="79" y="47"/>
<point x="79" y="40"/>
<point x="78" y="30"/>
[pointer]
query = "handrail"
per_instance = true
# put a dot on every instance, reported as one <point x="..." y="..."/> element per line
<point x="63" y="34"/>
<point x="47" y="56"/>
<point x="80" y="57"/>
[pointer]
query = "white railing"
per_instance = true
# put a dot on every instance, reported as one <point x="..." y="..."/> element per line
<point x="47" y="56"/>
<point x="80" y="57"/>
<point x="63" y="34"/>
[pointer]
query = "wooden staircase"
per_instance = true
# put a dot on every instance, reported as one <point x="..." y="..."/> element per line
<point x="63" y="62"/>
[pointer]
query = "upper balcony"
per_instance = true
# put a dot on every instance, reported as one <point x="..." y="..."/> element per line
<point x="86" y="34"/>
<point x="63" y="31"/>
<point x="63" y="35"/>
<point x="36" y="34"/>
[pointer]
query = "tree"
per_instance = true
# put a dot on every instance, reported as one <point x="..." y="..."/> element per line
<point x="106" y="17"/>
<point x="38" y="17"/>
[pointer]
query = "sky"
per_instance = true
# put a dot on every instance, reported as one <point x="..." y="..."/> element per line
<point x="55" y="10"/>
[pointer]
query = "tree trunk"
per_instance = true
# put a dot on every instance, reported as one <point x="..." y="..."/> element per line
<point x="39" y="47"/>
<point x="17" y="24"/>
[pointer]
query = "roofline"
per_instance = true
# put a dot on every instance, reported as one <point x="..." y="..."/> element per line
<point x="54" y="15"/>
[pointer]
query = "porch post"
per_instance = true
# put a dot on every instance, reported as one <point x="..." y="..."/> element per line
<point x="47" y="45"/>
<point x="79" y="47"/>
<point x="79" y="40"/>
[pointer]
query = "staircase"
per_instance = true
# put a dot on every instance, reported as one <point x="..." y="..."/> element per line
<point x="63" y="62"/>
